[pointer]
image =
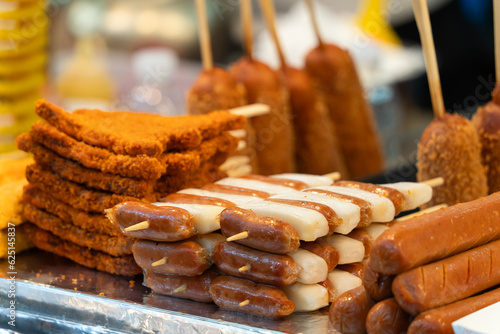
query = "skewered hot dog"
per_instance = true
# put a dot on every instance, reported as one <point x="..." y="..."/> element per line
<point x="163" y="223"/>
<point x="335" y="78"/>
<point x="187" y="287"/>
<point x="353" y="268"/>
<point x="262" y="267"/>
<point x="236" y="199"/>
<point x="343" y="281"/>
<point x="350" y="250"/>
<point x="298" y="185"/>
<point x="364" y="238"/>
<point x="229" y="189"/>
<point x="349" y="311"/>
<point x="309" y="179"/>
<point x="264" y="233"/>
<point x="307" y="297"/>
<point x="438" y="320"/>
<point x="448" y="280"/>
<point x="232" y="293"/>
<point x="185" y="198"/>
<point x="386" y="317"/>
<point x="324" y="250"/>
<point x="442" y="142"/>
<point x="399" y="248"/>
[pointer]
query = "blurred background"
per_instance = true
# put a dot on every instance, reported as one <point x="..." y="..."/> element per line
<point x="144" y="55"/>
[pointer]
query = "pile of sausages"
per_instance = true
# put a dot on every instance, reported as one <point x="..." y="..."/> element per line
<point x="426" y="272"/>
<point x="294" y="241"/>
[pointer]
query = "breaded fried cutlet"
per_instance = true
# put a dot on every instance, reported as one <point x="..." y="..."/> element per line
<point x="71" y="193"/>
<point x="115" y="246"/>
<point x="124" y="265"/>
<point x="96" y="223"/>
<point x="132" y="133"/>
<point x="92" y="178"/>
<point x="142" y="167"/>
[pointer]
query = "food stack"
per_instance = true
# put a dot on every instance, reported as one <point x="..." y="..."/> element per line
<point x="88" y="161"/>
<point x="286" y="234"/>
<point x="408" y="290"/>
<point x="23" y="38"/>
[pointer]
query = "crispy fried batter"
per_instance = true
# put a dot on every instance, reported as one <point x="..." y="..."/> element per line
<point x="115" y="246"/>
<point x="71" y="193"/>
<point x="142" y="167"/>
<point x="96" y="223"/>
<point x="124" y="265"/>
<point x="91" y="178"/>
<point x="132" y="133"/>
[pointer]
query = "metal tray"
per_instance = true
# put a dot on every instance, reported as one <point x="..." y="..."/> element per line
<point x="55" y="295"/>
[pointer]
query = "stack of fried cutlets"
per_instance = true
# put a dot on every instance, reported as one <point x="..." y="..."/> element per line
<point x="88" y="161"/>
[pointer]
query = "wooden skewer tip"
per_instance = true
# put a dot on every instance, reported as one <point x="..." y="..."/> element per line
<point x="238" y="236"/>
<point x="245" y="302"/>
<point x="183" y="287"/>
<point x="137" y="227"/>
<point x="244" y="268"/>
<point x="436" y="182"/>
<point x="159" y="262"/>
<point x="335" y="176"/>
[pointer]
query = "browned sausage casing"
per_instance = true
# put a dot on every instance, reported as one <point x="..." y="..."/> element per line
<point x="348" y="312"/>
<point x="455" y="229"/>
<point x="267" y="268"/>
<point x="448" y="280"/>
<point x="165" y="223"/>
<point x="354" y="268"/>
<point x="438" y="320"/>
<point x="196" y="199"/>
<point x="386" y="317"/>
<point x="364" y="237"/>
<point x="196" y="287"/>
<point x="334" y="74"/>
<point x="281" y="182"/>
<point x="182" y="258"/>
<point x="221" y="188"/>
<point x="264" y="233"/>
<point x="324" y="250"/>
<point x="393" y="195"/>
<point x="377" y="285"/>
<point x="317" y="148"/>
<point x="264" y="300"/>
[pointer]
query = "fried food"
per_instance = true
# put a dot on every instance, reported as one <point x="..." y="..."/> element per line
<point x="317" y="149"/>
<point x="95" y="223"/>
<point x="92" y="178"/>
<point x="124" y="265"/>
<point x="450" y="148"/>
<point x="335" y="77"/>
<point x="274" y="136"/>
<point x="71" y="193"/>
<point x="115" y="246"/>
<point x="142" y="167"/>
<point x="487" y="124"/>
<point x="10" y="203"/>
<point x="131" y="133"/>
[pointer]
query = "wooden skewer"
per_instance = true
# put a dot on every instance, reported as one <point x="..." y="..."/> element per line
<point x="159" y="262"/>
<point x="314" y="21"/>
<point x="267" y="8"/>
<point x="424" y="27"/>
<point x="496" y="19"/>
<point x="245" y="302"/>
<point x="137" y="227"/>
<point x="421" y="212"/>
<point x="436" y="182"/>
<point x="244" y="268"/>
<point x="251" y="110"/>
<point x="335" y="176"/>
<point x="246" y="19"/>
<point x="183" y="287"/>
<point x="204" y="32"/>
<point x="238" y="236"/>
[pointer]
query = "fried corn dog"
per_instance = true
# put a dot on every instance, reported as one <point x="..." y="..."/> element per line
<point x="316" y="148"/>
<point x="487" y="124"/>
<point x="450" y="148"/>
<point x="335" y="78"/>
<point x="274" y="137"/>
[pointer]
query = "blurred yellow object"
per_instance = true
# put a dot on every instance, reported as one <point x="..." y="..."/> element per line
<point x="10" y="49"/>
<point x="85" y="77"/>
<point x="27" y="10"/>
<point x="11" y="208"/>
<point x="22" y="242"/>
<point x="21" y="85"/>
<point x="21" y="125"/>
<point x="13" y="170"/>
<point x="22" y="65"/>
<point x="23" y="105"/>
<point x="374" y="23"/>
